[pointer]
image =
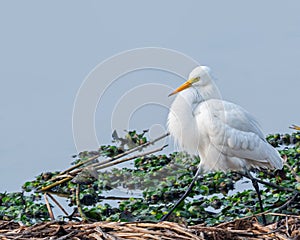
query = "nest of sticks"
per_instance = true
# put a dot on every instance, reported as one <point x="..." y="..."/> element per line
<point x="247" y="228"/>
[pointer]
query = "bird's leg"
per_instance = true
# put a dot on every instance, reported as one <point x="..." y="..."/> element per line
<point x="165" y="217"/>
<point x="256" y="187"/>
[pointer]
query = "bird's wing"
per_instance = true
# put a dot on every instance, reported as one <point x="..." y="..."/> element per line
<point x="234" y="132"/>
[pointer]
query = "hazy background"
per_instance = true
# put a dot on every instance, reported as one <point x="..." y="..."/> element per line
<point x="48" y="48"/>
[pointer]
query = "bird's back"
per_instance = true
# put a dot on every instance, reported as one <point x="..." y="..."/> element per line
<point x="233" y="138"/>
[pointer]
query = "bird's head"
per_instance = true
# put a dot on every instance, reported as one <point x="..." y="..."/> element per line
<point x="198" y="77"/>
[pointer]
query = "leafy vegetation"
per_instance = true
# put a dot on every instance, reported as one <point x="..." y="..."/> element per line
<point x="27" y="209"/>
<point x="162" y="179"/>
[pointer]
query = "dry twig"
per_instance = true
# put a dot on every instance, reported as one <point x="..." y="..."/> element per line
<point x="287" y="228"/>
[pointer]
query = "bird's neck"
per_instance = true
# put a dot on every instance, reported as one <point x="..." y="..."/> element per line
<point x="209" y="91"/>
<point x="181" y="120"/>
<point x="189" y="99"/>
<point x="186" y="101"/>
<point x="181" y="124"/>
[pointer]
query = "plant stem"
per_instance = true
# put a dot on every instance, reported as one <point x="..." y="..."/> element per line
<point x="49" y="207"/>
<point x="57" y="203"/>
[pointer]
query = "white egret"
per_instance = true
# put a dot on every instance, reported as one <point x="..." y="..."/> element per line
<point x="223" y="134"/>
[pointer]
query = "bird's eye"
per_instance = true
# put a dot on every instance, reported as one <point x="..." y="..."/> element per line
<point x="196" y="79"/>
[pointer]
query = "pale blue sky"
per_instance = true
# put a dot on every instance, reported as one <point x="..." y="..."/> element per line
<point x="47" y="48"/>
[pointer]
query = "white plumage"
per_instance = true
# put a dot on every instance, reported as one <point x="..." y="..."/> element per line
<point x="225" y="136"/>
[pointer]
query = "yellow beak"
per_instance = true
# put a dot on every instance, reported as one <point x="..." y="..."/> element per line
<point x="295" y="127"/>
<point x="186" y="85"/>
